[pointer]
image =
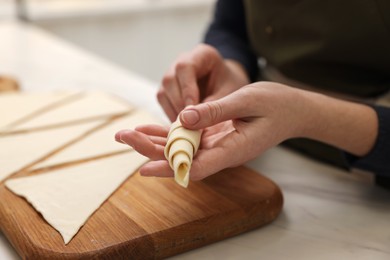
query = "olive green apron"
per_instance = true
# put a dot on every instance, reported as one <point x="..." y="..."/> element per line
<point x="332" y="46"/>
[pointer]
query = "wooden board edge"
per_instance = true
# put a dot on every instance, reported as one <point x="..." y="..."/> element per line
<point x="199" y="233"/>
<point x="188" y="236"/>
<point x="28" y="249"/>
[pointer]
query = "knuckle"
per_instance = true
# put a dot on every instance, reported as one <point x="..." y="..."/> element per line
<point x="210" y="51"/>
<point x="215" y="111"/>
<point x="206" y="47"/>
<point x="182" y="65"/>
<point x="248" y="93"/>
<point x="160" y="94"/>
<point x="167" y="80"/>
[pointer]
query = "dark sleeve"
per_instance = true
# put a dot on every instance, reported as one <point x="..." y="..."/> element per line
<point x="228" y="34"/>
<point x="378" y="160"/>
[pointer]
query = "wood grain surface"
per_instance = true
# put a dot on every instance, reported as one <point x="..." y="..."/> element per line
<point x="149" y="218"/>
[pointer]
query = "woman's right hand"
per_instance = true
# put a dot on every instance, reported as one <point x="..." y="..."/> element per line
<point x="197" y="76"/>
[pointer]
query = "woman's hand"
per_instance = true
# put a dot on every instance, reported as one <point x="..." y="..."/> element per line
<point x="237" y="128"/>
<point x="198" y="76"/>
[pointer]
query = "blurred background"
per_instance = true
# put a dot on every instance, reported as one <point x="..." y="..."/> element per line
<point x="144" y="36"/>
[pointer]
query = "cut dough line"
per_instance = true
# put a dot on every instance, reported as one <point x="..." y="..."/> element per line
<point x="32" y="159"/>
<point x="67" y="99"/>
<point x="75" y="162"/>
<point x="100" y="142"/>
<point x="92" y="105"/>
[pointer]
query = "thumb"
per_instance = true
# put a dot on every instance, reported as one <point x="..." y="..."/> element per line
<point x="234" y="106"/>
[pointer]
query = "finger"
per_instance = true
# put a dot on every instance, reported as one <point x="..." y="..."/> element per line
<point x="187" y="80"/>
<point x="240" y="104"/>
<point x="118" y="137"/>
<point x="166" y="105"/>
<point x="158" y="140"/>
<point x="156" y="130"/>
<point x="156" y="168"/>
<point x="156" y="133"/>
<point x="142" y="144"/>
<point x="205" y="58"/>
<point x="173" y="91"/>
<point x="193" y="67"/>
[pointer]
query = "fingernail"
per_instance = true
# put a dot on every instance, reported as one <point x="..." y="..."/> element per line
<point x="118" y="137"/>
<point x="189" y="102"/>
<point x="190" y="117"/>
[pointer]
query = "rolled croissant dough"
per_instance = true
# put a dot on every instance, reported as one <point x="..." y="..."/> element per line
<point x="66" y="198"/>
<point x="182" y="145"/>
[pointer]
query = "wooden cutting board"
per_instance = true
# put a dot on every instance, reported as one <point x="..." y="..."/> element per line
<point x="149" y="218"/>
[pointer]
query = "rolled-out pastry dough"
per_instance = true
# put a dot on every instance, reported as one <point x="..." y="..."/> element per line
<point x="66" y="198"/>
<point x="181" y="147"/>
<point x="20" y="151"/>
<point x="99" y="142"/>
<point x="21" y="106"/>
<point x="89" y="106"/>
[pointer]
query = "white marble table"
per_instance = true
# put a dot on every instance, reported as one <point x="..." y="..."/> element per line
<point x="328" y="213"/>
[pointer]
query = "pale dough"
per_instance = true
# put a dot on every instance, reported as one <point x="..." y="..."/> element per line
<point x="18" y="151"/>
<point x="66" y="198"/>
<point x="91" y="105"/>
<point x="99" y="142"/>
<point x="182" y="145"/>
<point x="21" y="106"/>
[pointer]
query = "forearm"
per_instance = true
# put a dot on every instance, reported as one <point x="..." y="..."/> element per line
<point x="349" y="126"/>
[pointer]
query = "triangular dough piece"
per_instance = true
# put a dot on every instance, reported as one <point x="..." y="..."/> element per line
<point x="100" y="142"/>
<point x="15" y="107"/>
<point x="66" y="198"/>
<point x="18" y="151"/>
<point x="92" y="105"/>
